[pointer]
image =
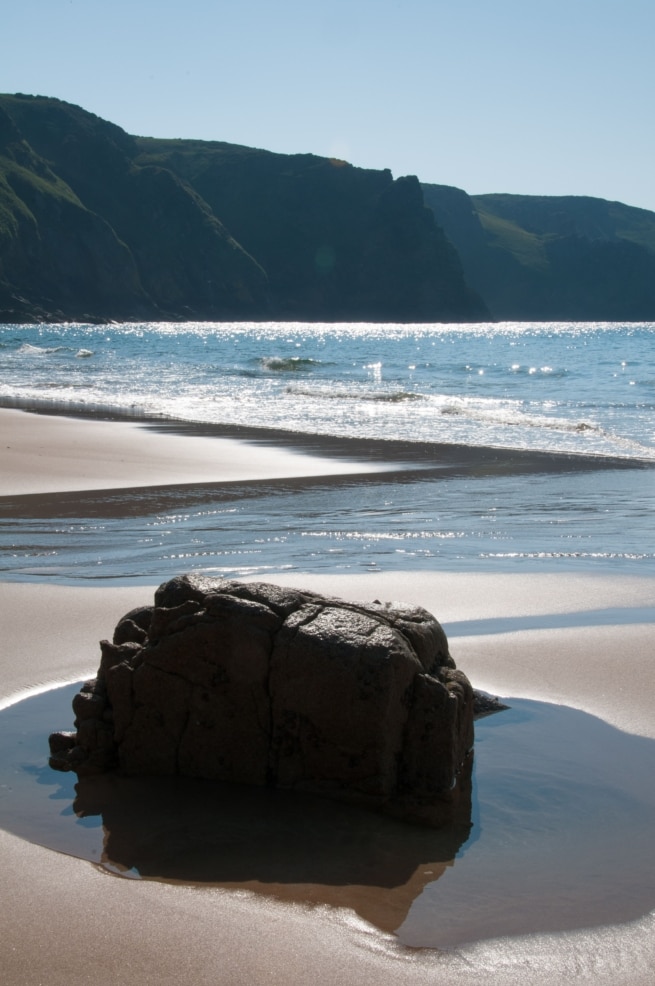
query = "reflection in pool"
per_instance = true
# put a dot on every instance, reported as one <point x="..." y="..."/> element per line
<point x="557" y="834"/>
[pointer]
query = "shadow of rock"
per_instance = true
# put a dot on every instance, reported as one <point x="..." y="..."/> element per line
<point x="292" y="846"/>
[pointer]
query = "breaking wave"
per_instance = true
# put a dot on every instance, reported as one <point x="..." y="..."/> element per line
<point x="289" y="364"/>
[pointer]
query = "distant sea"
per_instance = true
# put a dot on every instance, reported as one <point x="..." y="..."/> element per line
<point x="524" y="446"/>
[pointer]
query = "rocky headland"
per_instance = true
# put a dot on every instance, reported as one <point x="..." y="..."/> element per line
<point x="97" y="224"/>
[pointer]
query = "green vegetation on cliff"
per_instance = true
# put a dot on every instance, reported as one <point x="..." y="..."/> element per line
<point x="549" y="258"/>
<point x="97" y="224"/>
<point x="135" y="242"/>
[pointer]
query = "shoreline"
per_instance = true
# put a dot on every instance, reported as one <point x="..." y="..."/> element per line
<point x="331" y="451"/>
<point x="67" y="914"/>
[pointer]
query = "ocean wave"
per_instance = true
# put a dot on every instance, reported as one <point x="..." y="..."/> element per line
<point x="511" y="415"/>
<point x="530" y="371"/>
<point x="334" y="394"/>
<point x="29" y="349"/>
<point x="288" y="364"/>
<point x="490" y="412"/>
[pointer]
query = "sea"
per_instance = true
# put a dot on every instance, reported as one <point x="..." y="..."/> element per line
<point x="509" y="446"/>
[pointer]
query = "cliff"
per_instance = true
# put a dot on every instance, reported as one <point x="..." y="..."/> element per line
<point x="97" y="224"/>
<point x="552" y="258"/>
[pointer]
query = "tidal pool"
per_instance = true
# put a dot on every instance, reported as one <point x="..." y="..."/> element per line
<point x="559" y="835"/>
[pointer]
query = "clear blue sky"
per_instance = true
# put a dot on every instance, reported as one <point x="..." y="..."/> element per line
<point x="546" y="97"/>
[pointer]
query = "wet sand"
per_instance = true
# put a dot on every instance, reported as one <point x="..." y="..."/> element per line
<point x="65" y="921"/>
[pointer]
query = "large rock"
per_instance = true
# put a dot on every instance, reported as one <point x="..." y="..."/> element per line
<point x="256" y="683"/>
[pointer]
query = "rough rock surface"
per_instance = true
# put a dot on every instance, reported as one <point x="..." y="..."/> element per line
<point x="255" y="683"/>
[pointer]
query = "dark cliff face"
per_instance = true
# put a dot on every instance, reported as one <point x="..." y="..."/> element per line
<point x="96" y="223"/>
<point x="56" y="257"/>
<point x="176" y="259"/>
<point x="337" y="242"/>
<point x="560" y="257"/>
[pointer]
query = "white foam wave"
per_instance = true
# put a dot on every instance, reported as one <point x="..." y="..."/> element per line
<point x="324" y="392"/>
<point x="28" y="349"/>
<point x="288" y="364"/>
<point x="510" y="415"/>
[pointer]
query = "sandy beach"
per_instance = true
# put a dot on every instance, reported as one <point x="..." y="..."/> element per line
<point x="43" y="453"/>
<point x="537" y="637"/>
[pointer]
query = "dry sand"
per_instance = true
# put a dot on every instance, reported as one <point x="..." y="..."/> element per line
<point x="43" y="453"/>
<point x="62" y="921"/>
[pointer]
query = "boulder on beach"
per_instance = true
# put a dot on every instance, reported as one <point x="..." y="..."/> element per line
<point x="255" y="683"/>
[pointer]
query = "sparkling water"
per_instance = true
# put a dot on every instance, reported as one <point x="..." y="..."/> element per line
<point x="580" y="387"/>
<point x="583" y="393"/>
